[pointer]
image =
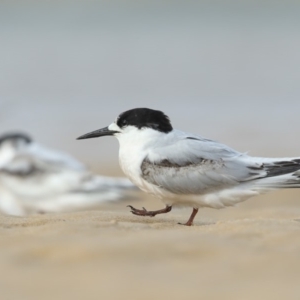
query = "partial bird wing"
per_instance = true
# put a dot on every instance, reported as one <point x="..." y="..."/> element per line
<point x="41" y="172"/>
<point x="32" y="176"/>
<point x="190" y="164"/>
<point x="38" y="179"/>
<point x="20" y="167"/>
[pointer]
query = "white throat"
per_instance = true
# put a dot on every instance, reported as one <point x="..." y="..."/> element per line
<point x="135" y="145"/>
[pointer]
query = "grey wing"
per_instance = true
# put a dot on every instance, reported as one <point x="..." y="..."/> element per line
<point x="22" y="167"/>
<point x="36" y="160"/>
<point x="34" y="176"/>
<point x="197" y="166"/>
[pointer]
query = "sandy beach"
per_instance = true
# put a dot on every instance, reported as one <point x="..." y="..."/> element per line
<point x="246" y="252"/>
<point x="227" y="70"/>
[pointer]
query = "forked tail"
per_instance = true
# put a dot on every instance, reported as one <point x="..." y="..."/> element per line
<point x="279" y="173"/>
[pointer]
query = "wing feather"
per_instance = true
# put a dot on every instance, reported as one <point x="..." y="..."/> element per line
<point x="194" y="165"/>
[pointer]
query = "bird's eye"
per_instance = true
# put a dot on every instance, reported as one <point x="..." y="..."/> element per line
<point x="124" y="122"/>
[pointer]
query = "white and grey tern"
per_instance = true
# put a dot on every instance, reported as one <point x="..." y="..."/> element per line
<point x="185" y="169"/>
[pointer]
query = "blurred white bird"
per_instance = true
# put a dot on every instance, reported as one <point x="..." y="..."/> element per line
<point x="35" y="179"/>
<point x="185" y="169"/>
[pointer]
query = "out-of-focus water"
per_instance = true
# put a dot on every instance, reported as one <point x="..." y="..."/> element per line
<point x="226" y="70"/>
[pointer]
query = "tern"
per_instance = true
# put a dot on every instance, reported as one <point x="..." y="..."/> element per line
<point x="36" y="179"/>
<point x="185" y="169"/>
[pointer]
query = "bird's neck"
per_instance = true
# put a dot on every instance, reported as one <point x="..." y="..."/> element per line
<point x="134" y="147"/>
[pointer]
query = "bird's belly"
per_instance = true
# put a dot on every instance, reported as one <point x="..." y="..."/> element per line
<point x="220" y="199"/>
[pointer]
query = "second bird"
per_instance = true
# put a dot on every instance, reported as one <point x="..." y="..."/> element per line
<point x="36" y="179"/>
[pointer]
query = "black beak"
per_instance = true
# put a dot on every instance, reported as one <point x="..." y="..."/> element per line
<point x="97" y="133"/>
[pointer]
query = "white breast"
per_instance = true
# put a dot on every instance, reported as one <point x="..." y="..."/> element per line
<point x="135" y="145"/>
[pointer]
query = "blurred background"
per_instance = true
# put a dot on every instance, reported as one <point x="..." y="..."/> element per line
<point x="228" y="70"/>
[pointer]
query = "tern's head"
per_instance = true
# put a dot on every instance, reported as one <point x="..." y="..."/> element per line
<point x="132" y="121"/>
<point x="15" y="140"/>
<point x="10" y="143"/>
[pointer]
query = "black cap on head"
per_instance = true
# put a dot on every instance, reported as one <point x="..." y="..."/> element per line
<point x="15" y="136"/>
<point x="145" y="118"/>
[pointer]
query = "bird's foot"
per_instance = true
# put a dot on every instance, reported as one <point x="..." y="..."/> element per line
<point x="186" y="224"/>
<point x="191" y="219"/>
<point x="144" y="212"/>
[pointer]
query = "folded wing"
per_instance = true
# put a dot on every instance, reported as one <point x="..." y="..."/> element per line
<point x="193" y="165"/>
